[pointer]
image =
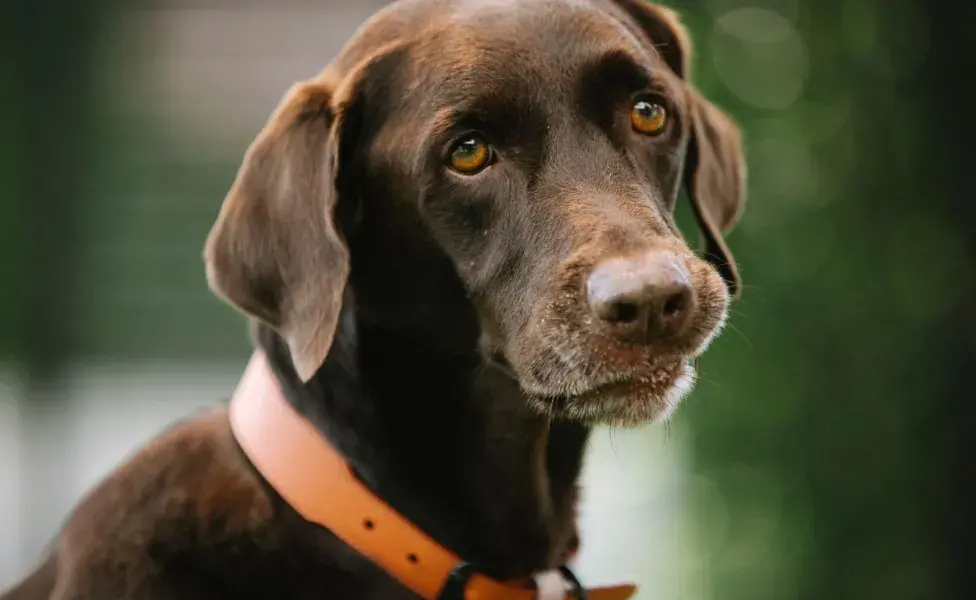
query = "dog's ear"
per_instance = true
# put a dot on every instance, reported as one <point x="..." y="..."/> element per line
<point x="714" y="170"/>
<point x="714" y="175"/>
<point x="275" y="251"/>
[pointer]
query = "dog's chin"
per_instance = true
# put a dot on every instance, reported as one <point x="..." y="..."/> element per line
<point x="627" y="402"/>
<point x="629" y="398"/>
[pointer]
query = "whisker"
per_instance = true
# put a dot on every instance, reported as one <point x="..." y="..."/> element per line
<point x="703" y="379"/>
<point x="742" y="335"/>
<point x="612" y="439"/>
<point x="668" y="433"/>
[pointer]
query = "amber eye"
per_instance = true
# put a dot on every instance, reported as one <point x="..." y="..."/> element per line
<point x="648" y="117"/>
<point x="470" y="155"/>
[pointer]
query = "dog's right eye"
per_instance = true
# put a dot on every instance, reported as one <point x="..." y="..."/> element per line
<point x="470" y="155"/>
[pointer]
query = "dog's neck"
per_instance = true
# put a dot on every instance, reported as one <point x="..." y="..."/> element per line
<point x="447" y="441"/>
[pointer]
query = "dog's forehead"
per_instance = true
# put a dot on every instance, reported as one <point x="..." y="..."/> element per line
<point x="553" y="34"/>
<point x="533" y="22"/>
<point x="496" y="40"/>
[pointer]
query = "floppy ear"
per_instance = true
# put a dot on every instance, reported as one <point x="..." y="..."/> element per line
<point x="715" y="179"/>
<point x="714" y="170"/>
<point x="275" y="252"/>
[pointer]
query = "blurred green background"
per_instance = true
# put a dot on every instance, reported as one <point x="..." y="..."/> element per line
<point x="828" y="451"/>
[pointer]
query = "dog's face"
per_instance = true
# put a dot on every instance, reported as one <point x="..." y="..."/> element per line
<point x="516" y="162"/>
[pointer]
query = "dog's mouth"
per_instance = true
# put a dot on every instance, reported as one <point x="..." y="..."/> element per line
<point x="630" y="400"/>
<point x="654" y="381"/>
<point x="626" y="399"/>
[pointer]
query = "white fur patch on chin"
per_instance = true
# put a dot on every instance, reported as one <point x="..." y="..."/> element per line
<point x="629" y="408"/>
<point x="681" y="388"/>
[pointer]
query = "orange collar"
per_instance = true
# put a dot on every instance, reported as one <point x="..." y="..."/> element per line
<point x="315" y="480"/>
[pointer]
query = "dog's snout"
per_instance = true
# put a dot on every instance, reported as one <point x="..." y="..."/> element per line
<point x="643" y="298"/>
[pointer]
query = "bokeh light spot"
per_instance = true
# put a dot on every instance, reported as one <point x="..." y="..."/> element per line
<point x="760" y="57"/>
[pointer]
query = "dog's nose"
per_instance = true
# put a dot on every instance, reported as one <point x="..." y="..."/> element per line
<point x="643" y="298"/>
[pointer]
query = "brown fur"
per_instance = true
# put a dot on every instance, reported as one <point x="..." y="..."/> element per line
<point x="435" y="327"/>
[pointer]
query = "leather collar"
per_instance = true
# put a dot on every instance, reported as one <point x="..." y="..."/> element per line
<point x="309" y="474"/>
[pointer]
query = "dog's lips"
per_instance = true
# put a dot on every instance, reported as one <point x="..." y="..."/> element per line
<point x="626" y="397"/>
<point x="650" y="395"/>
<point x="656" y="381"/>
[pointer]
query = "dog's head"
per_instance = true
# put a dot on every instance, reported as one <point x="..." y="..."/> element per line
<point x="503" y="173"/>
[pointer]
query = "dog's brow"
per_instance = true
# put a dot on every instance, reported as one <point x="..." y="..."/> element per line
<point x="619" y="66"/>
<point x="442" y="122"/>
<point x="491" y="110"/>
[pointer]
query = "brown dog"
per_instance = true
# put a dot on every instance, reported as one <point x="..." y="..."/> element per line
<point x="458" y="251"/>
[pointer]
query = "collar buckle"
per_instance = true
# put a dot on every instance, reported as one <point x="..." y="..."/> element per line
<point x="457" y="580"/>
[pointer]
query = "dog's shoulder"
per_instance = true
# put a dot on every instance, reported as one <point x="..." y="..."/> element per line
<point x="192" y="473"/>
<point x="187" y="493"/>
<point x="187" y="518"/>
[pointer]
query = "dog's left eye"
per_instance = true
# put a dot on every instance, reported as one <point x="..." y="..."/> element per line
<point x="648" y="117"/>
<point x="470" y="155"/>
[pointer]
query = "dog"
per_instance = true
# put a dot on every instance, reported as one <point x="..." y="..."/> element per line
<point x="457" y="251"/>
